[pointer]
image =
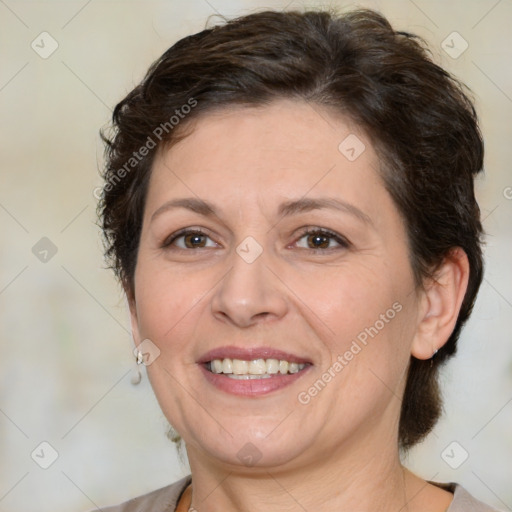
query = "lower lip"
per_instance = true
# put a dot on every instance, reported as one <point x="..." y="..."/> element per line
<point x="251" y="387"/>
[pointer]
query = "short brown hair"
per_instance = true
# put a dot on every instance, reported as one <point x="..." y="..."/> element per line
<point x="420" y="119"/>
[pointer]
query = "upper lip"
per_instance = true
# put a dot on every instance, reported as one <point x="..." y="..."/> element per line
<point x="250" y="354"/>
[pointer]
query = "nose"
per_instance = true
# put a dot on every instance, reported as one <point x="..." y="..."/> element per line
<point x="249" y="293"/>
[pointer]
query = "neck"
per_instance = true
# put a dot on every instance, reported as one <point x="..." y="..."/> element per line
<point x="348" y="479"/>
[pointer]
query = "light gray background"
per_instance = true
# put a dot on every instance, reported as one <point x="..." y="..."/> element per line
<point x="64" y="331"/>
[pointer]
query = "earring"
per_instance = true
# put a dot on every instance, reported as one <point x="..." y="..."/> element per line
<point x="432" y="358"/>
<point x="137" y="375"/>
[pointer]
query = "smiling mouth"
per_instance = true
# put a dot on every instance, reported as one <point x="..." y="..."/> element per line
<point x="256" y="369"/>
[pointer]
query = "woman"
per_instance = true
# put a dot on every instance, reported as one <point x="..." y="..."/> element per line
<point x="289" y="206"/>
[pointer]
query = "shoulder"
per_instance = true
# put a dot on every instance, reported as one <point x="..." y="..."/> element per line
<point x="161" y="500"/>
<point x="464" y="502"/>
<point x="166" y="498"/>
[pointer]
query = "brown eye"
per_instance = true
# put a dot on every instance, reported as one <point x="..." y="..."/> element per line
<point x="321" y="239"/>
<point x="193" y="240"/>
<point x="318" y="241"/>
<point x="189" y="239"/>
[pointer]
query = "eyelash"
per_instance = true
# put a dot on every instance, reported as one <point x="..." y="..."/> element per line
<point x="343" y="242"/>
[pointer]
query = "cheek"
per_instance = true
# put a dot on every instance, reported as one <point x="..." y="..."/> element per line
<point x="369" y="328"/>
<point x="165" y="303"/>
<point x="347" y="299"/>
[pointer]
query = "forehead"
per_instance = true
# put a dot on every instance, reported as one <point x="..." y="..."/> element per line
<point x="289" y="126"/>
<point x="287" y="149"/>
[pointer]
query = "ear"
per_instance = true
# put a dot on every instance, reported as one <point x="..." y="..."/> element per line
<point x="440" y="304"/>
<point x="134" y="319"/>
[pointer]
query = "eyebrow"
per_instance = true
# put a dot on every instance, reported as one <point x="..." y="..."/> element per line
<point x="286" y="209"/>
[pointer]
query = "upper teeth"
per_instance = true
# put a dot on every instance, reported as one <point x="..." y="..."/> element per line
<point x="255" y="367"/>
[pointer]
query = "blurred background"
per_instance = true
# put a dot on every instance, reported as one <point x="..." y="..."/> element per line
<point x="74" y="433"/>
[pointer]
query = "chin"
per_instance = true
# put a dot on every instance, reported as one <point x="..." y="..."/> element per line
<point x="250" y="447"/>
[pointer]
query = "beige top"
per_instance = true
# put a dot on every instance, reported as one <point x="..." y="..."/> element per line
<point x="166" y="499"/>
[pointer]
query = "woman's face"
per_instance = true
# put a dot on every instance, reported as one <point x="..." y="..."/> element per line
<point x="296" y="253"/>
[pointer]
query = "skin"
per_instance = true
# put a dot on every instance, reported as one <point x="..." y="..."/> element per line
<point x="339" y="451"/>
